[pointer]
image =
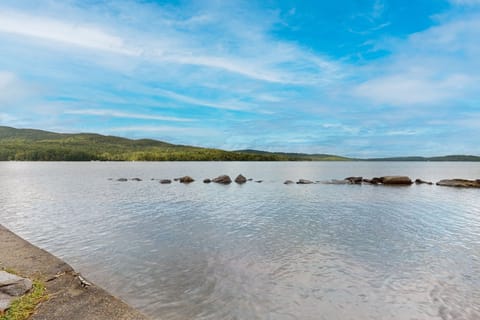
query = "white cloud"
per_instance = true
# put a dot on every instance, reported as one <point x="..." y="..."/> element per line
<point x="223" y="42"/>
<point x="413" y="89"/>
<point x="434" y="67"/>
<point x="11" y="89"/>
<point x="127" y="115"/>
<point x="69" y="33"/>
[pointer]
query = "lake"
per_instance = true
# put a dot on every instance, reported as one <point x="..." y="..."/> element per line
<point x="260" y="250"/>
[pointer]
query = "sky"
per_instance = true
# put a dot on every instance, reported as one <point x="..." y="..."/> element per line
<point x="360" y="78"/>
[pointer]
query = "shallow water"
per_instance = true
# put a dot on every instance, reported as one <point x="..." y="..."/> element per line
<point x="260" y="250"/>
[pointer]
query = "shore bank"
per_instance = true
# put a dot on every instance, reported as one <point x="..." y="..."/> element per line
<point x="70" y="296"/>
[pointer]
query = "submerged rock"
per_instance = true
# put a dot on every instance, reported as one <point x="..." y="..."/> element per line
<point x="289" y="182"/>
<point x="354" y="180"/>
<point x="223" y="179"/>
<point x="165" y="181"/>
<point x="259" y="181"/>
<point x="12" y="286"/>
<point x="207" y="180"/>
<point x="396" y="180"/>
<point x="304" y="181"/>
<point x="459" y="183"/>
<point x="420" y="181"/>
<point x="136" y="179"/>
<point x="186" y="179"/>
<point x="240" y="179"/>
<point x="122" y="179"/>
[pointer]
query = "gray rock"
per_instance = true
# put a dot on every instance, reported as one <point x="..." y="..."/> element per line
<point x="165" y="181"/>
<point x="240" y="179"/>
<point x="289" y="182"/>
<point x="12" y="286"/>
<point x="186" y="179"/>
<point x="207" y="180"/>
<point x="420" y="181"/>
<point x="223" y="179"/>
<point x="459" y="183"/>
<point x="354" y="180"/>
<point x="396" y="180"/>
<point x="258" y="181"/>
<point x="304" y="181"/>
<point x="136" y="179"/>
<point x="122" y="179"/>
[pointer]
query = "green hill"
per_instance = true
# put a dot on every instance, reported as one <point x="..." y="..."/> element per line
<point x="38" y="145"/>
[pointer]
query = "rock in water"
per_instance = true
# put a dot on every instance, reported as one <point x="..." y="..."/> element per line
<point x="354" y="180"/>
<point x="420" y="181"/>
<point x="165" y="181"/>
<point x="240" y="179"/>
<point x="459" y="183"/>
<point x="289" y="182"/>
<point x="186" y="179"/>
<point x="12" y="286"/>
<point x="207" y="180"/>
<point x="136" y="179"/>
<point x="223" y="179"/>
<point x="304" y="181"/>
<point x="396" y="180"/>
<point x="122" y="179"/>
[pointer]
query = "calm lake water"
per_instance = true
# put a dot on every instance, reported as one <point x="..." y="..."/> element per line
<point x="260" y="250"/>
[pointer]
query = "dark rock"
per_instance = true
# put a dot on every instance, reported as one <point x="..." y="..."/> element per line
<point x="354" y="180"/>
<point x="207" y="180"/>
<point x="186" y="179"/>
<point x="249" y="179"/>
<point x="259" y="181"/>
<point x="176" y="179"/>
<point x="459" y="183"/>
<point x="420" y="181"/>
<point x="136" y="179"/>
<point x="396" y="180"/>
<point x="223" y="179"/>
<point x="304" y="181"/>
<point x="122" y="179"/>
<point x="240" y="179"/>
<point x="165" y="181"/>
<point x="289" y="182"/>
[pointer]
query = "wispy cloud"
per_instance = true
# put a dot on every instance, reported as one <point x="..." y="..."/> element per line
<point x="127" y="115"/>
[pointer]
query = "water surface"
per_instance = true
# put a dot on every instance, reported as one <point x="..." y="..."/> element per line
<point x="260" y="250"/>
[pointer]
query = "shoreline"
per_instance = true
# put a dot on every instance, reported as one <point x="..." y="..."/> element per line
<point x="71" y="296"/>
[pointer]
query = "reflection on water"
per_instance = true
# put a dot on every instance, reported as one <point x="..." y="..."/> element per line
<point x="258" y="251"/>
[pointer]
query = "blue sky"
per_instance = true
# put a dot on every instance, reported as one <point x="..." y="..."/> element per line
<point x="356" y="78"/>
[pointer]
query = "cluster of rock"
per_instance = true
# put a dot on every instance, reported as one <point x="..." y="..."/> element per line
<point x="385" y="180"/>
<point x="12" y="287"/>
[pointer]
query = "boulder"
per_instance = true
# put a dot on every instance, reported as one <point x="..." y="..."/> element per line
<point x="207" y="180"/>
<point x="136" y="179"/>
<point x="459" y="183"/>
<point x="259" y="181"/>
<point x="165" y="181"/>
<point x="289" y="182"/>
<point x="12" y="286"/>
<point x="396" y="180"/>
<point x="420" y="181"/>
<point x="122" y="179"/>
<point x="354" y="180"/>
<point x="240" y="179"/>
<point x="223" y="179"/>
<point x="186" y="179"/>
<point x="304" y="181"/>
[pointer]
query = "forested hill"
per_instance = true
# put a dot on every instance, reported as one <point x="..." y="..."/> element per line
<point x="38" y="145"/>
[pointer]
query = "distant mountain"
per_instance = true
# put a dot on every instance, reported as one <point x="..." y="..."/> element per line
<point x="457" y="157"/>
<point x="39" y="145"/>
